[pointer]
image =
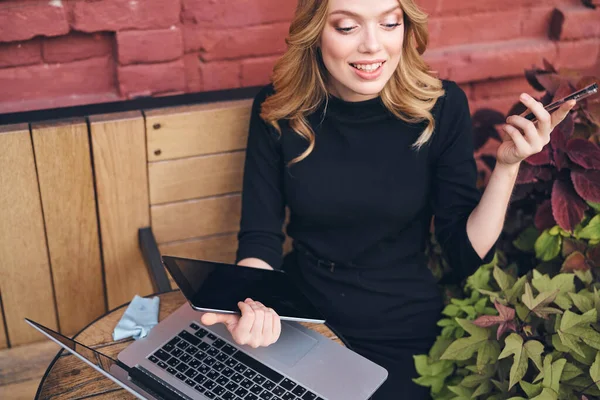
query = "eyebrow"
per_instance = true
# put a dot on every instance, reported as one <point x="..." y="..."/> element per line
<point x="345" y="12"/>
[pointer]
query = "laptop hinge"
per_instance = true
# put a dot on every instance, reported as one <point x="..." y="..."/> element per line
<point x="153" y="385"/>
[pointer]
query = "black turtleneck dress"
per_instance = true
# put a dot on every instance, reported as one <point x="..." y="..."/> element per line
<point x="360" y="210"/>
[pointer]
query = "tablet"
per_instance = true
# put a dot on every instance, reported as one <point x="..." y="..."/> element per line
<point x="218" y="287"/>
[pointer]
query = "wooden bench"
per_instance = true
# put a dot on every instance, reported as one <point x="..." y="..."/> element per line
<point x="80" y="190"/>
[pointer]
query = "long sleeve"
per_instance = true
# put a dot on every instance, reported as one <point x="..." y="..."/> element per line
<point x="454" y="193"/>
<point x="263" y="204"/>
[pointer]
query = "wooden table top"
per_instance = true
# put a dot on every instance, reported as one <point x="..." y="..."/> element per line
<point x="67" y="377"/>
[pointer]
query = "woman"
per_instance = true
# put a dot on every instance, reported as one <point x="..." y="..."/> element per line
<point x="364" y="145"/>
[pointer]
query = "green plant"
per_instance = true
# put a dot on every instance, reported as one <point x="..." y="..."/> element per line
<point x="533" y="337"/>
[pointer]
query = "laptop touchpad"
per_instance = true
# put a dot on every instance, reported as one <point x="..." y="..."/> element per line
<point x="291" y="346"/>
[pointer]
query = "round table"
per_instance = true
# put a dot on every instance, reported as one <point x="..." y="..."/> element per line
<point x="67" y="377"/>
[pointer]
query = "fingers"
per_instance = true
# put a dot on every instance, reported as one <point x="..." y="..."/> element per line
<point x="521" y="145"/>
<point x="560" y="114"/>
<point x="543" y="117"/>
<point x="209" y="319"/>
<point x="258" y="325"/>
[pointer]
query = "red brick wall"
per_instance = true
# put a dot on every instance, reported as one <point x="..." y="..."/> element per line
<point x="65" y="52"/>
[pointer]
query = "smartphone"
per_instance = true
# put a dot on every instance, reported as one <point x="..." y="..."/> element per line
<point x="578" y="95"/>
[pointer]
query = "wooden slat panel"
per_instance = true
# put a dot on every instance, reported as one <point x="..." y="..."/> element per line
<point x="118" y="143"/>
<point x="196" y="218"/>
<point x="3" y="341"/>
<point x="26" y="285"/>
<point x="195" y="177"/>
<point x="64" y="166"/>
<point x="23" y="390"/>
<point x="26" y="362"/>
<point x="202" y="129"/>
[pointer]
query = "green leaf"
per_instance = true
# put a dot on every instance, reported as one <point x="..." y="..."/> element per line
<point x="553" y="372"/>
<point x="584" y="300"/>
<point x="547" y="246"/>
<point x="516" y="291"/>
<point x="438" y="348"/>
<point x="574" y="328"/>
<point x="451" y="310"/>
<point x="565" y="283"/>
<point x="547" y="394"/>
<point x="592" y="230"/>
<point x="485" y="388"/>
<point x="538" y="305"/>
<point x="463" y="349"/>
<point x="584" y="276"/>
<point x="526" y="239"/>
<point x="421" y="365"/>
<point x="487" y="354"/>
<point x="569" y="372"/>
<point x="531" y="389"/>
<point x="595" y="370"/>
<point x="504" y="280"/>
<point x="480" y="305"/>
<point x="532" y="349"/>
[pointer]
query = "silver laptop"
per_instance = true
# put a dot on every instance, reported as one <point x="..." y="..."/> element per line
<point x="107" y="366"/>
<point x="204" y="362"/>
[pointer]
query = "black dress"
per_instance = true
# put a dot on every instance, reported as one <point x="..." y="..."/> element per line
<point x="360" y="210"/>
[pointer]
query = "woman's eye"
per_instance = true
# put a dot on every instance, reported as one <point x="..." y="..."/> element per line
<point x="345" y="29"/>
<point x="392" y="26"/>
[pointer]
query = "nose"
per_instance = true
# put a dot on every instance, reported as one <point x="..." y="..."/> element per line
<point x="370" y="41"/>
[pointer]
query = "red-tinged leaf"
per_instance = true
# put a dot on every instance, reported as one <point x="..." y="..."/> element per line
<point x="549" y="81"/>
<point x="527" y="173"/>
<point x="541" y="158"/>
<point x="545" y="174"/>
<point x="587" y="184"/>
<point x="532" y="76"/>
<point x="567" y="207"/>
<point x="562" y="133"/>
<point x="557" y="19"/>
<point x="507" y="313"/>
<point x="575" y="262"/>
<point x="485" y="321"/>
<point x="564" y="89"/>
<point x="560" y="159"/>
<point x="593" y="255"/>
<point x="584" y="153"/>
<point x="571" y="245"/>
<point x="505" y="326"/>
<point x="543" y="217"/>
<point x="548" y="66"/>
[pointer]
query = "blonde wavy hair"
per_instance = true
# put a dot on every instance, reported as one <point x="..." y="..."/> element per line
<point x="410" y="94"/>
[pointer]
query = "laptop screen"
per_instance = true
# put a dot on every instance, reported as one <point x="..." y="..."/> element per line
<point x="98" y="359"/>
<point x="216" y="286"/>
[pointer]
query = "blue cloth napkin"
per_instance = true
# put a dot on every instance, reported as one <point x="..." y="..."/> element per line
<point x="139" y="318"/>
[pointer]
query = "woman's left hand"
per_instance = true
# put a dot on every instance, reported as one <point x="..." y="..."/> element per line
<point x="524" y="138"/>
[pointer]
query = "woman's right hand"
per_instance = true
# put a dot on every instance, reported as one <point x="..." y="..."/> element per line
<point x="257" y="326"/>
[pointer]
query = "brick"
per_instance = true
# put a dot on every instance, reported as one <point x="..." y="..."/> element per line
<point x="116" y="15"/>
<point x="463" y="7"/>
<point x="58" y="101"/>
<point x="149" y="46"/>
<point x="21" y="20"/>
<point x="193" y="77"/>
<point x="503" y="87"/>
<point x="20" y="53"/>
<point x="460" y="30"/>
<point x="501" y="104"/>
<point x="436" y="60"/>
<point x="576" y="22"/>
<point x="76" y="46"/>
<point x="257" y="71"/>
<point x="95" y="75"/>
<point x="220" y="75"/>
<point x="148" y="79"/>
<point x="580" y="54"/>
<point x="431" y="7"/>
<point x="495" y="60"/>
<point x="255" y="41"/>
<point x="236" y="13"/>
<point x="535" y="21"/>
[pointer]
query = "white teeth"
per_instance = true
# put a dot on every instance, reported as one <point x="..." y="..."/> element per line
<point x="367" y="67"/>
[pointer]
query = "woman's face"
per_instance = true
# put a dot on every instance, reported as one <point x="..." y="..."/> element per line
<point x="361" y="46"/>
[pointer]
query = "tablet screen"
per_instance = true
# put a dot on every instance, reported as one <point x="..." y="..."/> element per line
<point x="216" y="286"/>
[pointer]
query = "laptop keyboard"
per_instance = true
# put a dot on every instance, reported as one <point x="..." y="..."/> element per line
<point x="218" y="370"/>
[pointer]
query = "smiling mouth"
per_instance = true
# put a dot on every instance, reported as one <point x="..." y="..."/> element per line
<point x="368" y="67"/>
